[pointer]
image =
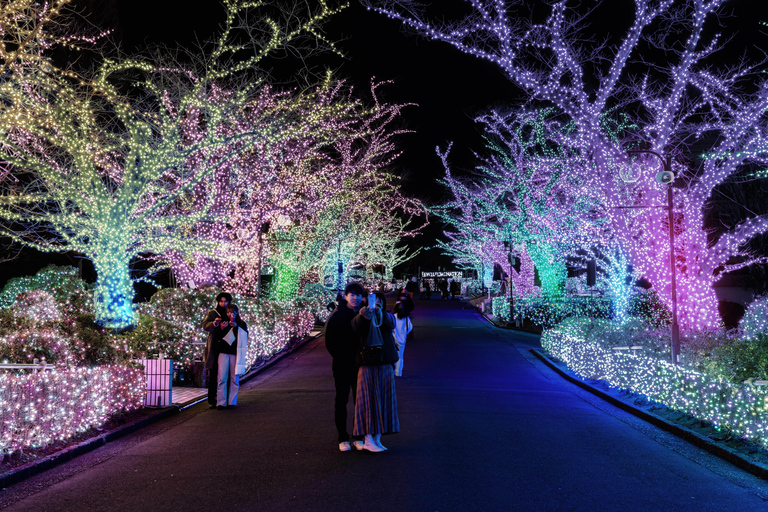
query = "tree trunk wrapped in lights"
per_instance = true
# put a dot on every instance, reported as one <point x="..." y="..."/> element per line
<point x="666" y="74"/>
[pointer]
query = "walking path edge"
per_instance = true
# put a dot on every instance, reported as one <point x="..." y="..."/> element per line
<point x="31" y="469"/>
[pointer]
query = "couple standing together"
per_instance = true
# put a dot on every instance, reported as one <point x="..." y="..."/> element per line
<point x="349" y="331"/>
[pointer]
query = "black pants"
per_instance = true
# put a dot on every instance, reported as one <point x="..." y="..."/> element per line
<point x="213" y="382"/>
<point x="345" y="380"/>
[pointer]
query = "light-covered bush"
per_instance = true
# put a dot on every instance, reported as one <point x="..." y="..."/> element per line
<point x="755" y="319"/>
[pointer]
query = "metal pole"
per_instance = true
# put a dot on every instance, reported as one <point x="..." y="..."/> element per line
<point x="675" y="327"/>
<point x="511" y="298"/>
<point x="340" y="269"/>
<point x="258" y="270"/>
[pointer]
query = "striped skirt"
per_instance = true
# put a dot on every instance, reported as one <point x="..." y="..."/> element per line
<point x="376" y="401"/>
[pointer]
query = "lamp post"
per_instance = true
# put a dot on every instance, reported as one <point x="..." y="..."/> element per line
<point x="667" y="177"/>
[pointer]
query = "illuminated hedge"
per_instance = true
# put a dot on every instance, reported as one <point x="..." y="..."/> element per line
<point x="548" y="313"/>
<point x="742" y="410"/>
<point x="172" y="323"/>
<point x="39" y="409"/>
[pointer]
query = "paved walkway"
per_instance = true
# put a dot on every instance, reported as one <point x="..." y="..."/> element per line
<point x="485" y="426"/>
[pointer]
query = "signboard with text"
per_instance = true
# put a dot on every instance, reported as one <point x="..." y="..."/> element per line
<point x="444" y="274"/>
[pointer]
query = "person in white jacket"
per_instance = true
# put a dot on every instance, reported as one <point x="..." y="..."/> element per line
<point x="403" y="326"/>
<point x="233" y="349"/>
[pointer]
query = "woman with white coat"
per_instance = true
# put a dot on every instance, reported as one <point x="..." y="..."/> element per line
<point x="403" y="326"/>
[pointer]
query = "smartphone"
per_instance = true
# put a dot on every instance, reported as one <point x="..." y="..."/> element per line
<point x="371" y="300"/>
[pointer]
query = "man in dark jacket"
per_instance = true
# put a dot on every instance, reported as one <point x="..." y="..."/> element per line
<point x="341" y="342"/>
<point x="212" y="324"/>
<point x="411" y="286"/>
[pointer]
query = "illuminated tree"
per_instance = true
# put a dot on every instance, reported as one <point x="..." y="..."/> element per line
<point x="357" y="202"/>
<point x="111" y="174"/>
<point x="523" y="194"/>
<point x="667" y="75"/>
<point x="284" y="176"/>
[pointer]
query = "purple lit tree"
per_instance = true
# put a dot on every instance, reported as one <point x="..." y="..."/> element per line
<point x="682" y="98"/>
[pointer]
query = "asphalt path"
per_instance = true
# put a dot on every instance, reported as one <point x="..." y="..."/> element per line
<point x="485" y="426"/>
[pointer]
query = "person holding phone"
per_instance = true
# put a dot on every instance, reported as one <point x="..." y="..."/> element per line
<point x="212" y="325"/>
<point x="376" y="401"/>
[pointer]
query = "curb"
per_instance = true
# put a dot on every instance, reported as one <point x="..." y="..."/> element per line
<point x="692" y="437"/>
<point x="55" y="459"/>
<point x="504" y="326"/>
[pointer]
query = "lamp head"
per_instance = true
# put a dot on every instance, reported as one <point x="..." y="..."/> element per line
<point x="665" y="177"/>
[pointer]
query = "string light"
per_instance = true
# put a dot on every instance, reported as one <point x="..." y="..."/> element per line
<point x="37" y="409"/>
<point x="80" y="184"/>
<point x="688" y="98"/>
<point x="739" y="409"/>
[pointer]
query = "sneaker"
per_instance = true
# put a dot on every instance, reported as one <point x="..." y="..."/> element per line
<point x="358" y="444"/>
<point x="370" y="445"/>
<point x="377" y="442"/>
<point x="344" y="447"/>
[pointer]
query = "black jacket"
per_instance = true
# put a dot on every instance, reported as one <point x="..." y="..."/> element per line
<point x="211" y="356"/>
<point x="340" y="339"/>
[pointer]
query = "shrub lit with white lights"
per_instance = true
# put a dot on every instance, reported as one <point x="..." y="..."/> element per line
<point x="634" y="356"/>
<point x="548" y="313"/>
<point x="171" y="323"/>
<point x="37" y="409"/>
<point x="90" y="374"/>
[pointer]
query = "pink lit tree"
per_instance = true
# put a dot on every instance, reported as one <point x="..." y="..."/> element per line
<point x="324" y="171"/>
<point x="664" y="85"/>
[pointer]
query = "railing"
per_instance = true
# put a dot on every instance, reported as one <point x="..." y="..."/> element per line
<point x="36" y="367"/>
<point x="159" y="379"/>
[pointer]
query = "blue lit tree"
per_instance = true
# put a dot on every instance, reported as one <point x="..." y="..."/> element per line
<point x="523" y="194"/>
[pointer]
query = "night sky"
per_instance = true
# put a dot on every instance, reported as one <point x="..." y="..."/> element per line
<point x="447" y="87"/>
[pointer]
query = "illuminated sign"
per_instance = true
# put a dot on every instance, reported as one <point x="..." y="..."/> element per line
<point x="455" y="274"/>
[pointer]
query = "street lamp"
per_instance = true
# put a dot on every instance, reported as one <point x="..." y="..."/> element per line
<point x="667" y="177"/>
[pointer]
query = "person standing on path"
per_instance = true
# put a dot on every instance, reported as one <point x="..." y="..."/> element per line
<point x="232" y="349"/>
<point x="403" y="326"/>
<point x="411" y="287"/>
<point x="427" y="290"/>
<point x="212" y="325"/>
<point x="341" y="343"/>
<point x="376" y="403"/>
<point x="455" y="288"/>
<point x="443" y="289"/>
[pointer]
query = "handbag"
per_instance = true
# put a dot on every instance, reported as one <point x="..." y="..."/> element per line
<point x="371" y="356"/>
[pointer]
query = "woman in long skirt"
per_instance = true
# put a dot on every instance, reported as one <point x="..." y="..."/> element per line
<point x="376" y="400"/>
